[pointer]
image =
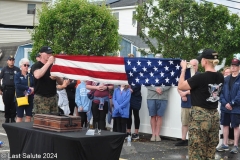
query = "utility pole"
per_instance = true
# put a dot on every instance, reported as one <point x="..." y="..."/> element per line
<point x="138" y="23"/>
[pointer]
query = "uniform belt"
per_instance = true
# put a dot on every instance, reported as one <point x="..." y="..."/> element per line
<point x="201" y="108"/>
<point x="47" y="96"/>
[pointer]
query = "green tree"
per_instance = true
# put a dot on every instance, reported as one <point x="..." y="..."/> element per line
<point x="76" y="27"/>
<point x="184" y="27"/>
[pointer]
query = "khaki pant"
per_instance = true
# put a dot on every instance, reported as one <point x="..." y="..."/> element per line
<point x="185" y="114"/>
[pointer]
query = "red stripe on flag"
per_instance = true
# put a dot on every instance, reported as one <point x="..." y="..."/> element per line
<point x="94" y="59"/>
<point x="90" y="73"/>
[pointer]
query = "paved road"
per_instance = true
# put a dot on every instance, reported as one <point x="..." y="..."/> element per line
<point x="139" y="150"/>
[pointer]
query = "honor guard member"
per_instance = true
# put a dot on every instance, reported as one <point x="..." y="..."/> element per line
<point x="204" y="119"/>
<point x="45" y="92"/>
<point x="8" y="89"/>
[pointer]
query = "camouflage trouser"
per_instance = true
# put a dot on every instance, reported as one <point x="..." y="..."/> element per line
<point x="203" y="133"/>
<point x="45" y="105"/>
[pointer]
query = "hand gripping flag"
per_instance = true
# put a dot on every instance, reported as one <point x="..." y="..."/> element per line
<point x="119" y="70"/>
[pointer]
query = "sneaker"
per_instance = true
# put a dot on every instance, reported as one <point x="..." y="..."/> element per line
<point x="128" y="133"/>
<point x="222" y="148"/>
<point x="234" y="150"/>
<point x="153" y="139"/>
<point x="182" y="143"/>
<point x="135" y="136"/>
<point x="158" y="139"/>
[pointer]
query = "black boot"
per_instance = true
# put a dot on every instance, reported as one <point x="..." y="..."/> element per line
<point x="6" y="120"/>
<point x="13" y="120"/>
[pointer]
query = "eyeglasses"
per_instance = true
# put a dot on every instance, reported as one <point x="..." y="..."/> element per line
<point x="26" y="65"/>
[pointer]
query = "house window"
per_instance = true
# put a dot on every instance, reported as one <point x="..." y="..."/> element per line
<point x="27" y="53"/>
<point x="133" y="20"/>
<point x="116" y="15"/>
<point x="31" y="9"/>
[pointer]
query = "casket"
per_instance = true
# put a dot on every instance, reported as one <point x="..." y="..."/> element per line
<point x="57" y="123"/>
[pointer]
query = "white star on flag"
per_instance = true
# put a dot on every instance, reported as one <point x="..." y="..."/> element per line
<point x="141" y="74"/>
<point x="146" y="80"/>
<point x="138" y="63"/>
<point x="151" y="74"/>
<point x="134" y="69"/>
<point x="167" y="80"/>
<point x="155" y="69"/>
<point x="144" y="69"/>
<point x="159" y="63"/>
<point x="137" y="80"/>
<point x="131" y="74"/>
<point x="177" y="67"/>
<point x="171" y="62"/>
<point x="172" y="73"/>
<point x="177" y="79"/>
<point x="162" y="74"/>
<point x="129" y="63"/>
<point x="156" y="80"/>
<point x="166" y="68"/>
<point x="149" y="63"/>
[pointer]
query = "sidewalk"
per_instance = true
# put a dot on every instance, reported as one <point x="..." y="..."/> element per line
<point x="143" y="149"/>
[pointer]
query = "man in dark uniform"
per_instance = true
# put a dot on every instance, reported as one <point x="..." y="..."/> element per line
<point x="8" y="89"/>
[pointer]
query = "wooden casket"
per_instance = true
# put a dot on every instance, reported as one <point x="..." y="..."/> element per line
<point x="57" y="123"/>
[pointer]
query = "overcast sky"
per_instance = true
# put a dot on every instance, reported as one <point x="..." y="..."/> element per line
<point x="224" y="2"/>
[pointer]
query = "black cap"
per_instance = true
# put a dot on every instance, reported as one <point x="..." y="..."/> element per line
<point x="208" y="54"/>
<point x="38" y="55"/>
<point x="235" y="62"/>
<point x="11" y="57"/>
<point x="46" y="49"/>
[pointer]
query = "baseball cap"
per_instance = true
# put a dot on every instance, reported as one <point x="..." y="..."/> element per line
<point x="235" y="62"/>
<point x="46" y="49"/>
<point x="208" y="54"/>
<point x="11" y="57"/>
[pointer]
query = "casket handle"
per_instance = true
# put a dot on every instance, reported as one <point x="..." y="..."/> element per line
<point x="70" y="124"/>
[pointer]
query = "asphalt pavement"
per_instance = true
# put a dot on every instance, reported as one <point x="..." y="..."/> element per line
<point x="141" y="149"/>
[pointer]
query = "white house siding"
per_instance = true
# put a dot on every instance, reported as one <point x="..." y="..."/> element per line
<point x="14" y="35"/>
<point x="125" y="20"/>
<point x="15" y="12"/>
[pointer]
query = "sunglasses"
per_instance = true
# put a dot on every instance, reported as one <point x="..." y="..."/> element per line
<point x="11" y="59"/>
<point x="26" y="65"/>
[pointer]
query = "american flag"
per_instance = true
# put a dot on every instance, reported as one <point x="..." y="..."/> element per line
<point x="119" y="70"/>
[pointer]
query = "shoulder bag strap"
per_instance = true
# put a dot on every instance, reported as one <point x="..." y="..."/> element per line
<point x="28" y="81"/>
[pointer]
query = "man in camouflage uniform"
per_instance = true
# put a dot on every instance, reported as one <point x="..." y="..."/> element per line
<point x="204" y="117"/>
<point x="45" y="98"/>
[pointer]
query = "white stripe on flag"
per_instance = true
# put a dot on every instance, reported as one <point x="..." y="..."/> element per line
<point x="91" y="66"/>
<point x="85" y="78"/>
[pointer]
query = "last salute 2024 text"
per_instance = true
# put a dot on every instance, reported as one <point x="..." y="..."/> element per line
<point x="33" y="156"/>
